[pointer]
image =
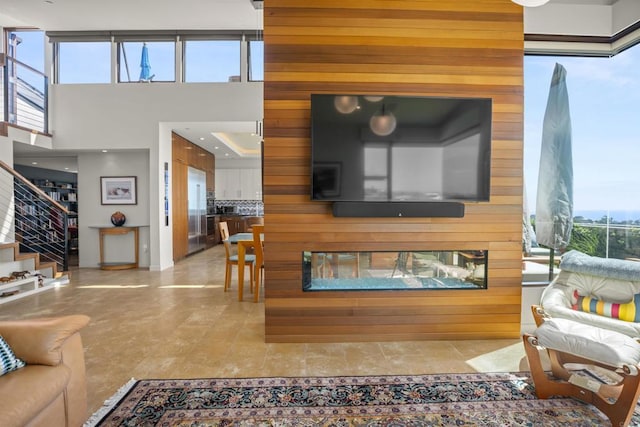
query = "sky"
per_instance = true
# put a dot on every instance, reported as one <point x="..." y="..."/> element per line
<point x="604" y="99"/>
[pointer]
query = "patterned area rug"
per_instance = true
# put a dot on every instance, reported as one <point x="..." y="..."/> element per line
<point x="504" y="399"/>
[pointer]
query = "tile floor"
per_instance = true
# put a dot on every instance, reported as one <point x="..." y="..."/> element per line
<point x="179" y="323"/>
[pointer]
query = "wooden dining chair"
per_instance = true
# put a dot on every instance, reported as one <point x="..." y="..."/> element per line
<point x="231" y="259"/>
<point x="224" y="230"/>
<point x="258" y="246"/>
<point x="254" y="220"/>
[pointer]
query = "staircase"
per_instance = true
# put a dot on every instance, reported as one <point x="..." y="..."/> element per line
<point x="34" y="228"/>
<point x="36" y="276"/>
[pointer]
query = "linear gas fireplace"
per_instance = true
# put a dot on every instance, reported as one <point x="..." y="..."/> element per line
<point x="401" y="270"/>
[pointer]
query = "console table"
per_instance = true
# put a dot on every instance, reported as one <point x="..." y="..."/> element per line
<point x="118" y="231"/>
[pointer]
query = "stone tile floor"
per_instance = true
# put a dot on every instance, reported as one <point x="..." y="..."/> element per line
<point x="179" y="323"/>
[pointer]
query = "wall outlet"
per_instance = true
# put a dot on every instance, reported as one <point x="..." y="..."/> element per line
<point x="145" y="247"/>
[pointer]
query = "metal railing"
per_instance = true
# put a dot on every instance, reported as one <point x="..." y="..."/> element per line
<point x="24" y="96"/>
<point x="603" y="238"/>
<point x="607" y="238"/>
<point x="40" y="224"/>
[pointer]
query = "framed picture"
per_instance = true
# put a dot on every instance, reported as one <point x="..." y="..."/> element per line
<point x="118" y="190"/>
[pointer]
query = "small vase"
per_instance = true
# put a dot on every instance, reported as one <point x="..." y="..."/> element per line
<point x="118" y="219"/>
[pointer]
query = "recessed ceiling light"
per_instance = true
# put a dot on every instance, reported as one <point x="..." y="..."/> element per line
<point x="66" y="169"/>
<point x="216" y="147"/>
<point x="226" y="154"/>
<point x="104" y="151"/>
<point x="34" y="163"/>
<point x="201" y="138"/>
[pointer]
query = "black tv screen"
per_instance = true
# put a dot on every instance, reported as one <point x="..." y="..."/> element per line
<point x="400" y="148"/>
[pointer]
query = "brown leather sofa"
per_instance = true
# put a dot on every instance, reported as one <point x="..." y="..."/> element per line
<point x="50" y="391"/>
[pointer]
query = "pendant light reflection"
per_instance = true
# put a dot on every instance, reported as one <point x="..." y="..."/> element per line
<point x="383" y="123"/>
<point x="530" y="3"/>
<point x="345" y="104"/>
<point x="371" y="98"/>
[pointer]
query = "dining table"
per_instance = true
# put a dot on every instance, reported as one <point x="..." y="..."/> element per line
<point x="244" y="242"/>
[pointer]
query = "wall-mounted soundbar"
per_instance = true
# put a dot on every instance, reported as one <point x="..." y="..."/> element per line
<point x="398" y="209"/>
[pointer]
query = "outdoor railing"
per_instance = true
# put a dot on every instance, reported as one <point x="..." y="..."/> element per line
<point x="608" y="237"/>
<point x="40" y="224"/>
<point x="24" y="96"/>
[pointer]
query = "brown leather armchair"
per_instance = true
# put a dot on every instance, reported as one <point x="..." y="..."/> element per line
<point x="50" y="391"/>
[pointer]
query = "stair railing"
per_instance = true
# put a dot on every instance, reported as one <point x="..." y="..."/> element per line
<point x="33" y="218"/>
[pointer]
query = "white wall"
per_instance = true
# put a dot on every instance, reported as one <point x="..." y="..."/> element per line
<point x="6" y="150"/>
<point x="122" y="117"/>
<point x="7" y="207"/>
<point x="92" y="214"/>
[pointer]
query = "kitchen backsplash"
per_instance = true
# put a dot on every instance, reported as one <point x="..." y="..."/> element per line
<point x="241" y="207"/>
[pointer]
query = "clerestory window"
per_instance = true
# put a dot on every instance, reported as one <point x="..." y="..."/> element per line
<point x="211" y="61"/>
<point x="157" y="64"/>
<point x="83" y="62"/>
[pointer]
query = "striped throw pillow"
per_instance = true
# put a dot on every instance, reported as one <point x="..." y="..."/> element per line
<point x="8" y="361"/>
<point x="629" y="311"/>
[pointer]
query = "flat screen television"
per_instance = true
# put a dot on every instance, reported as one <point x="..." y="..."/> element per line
<point x="369" y="148"/>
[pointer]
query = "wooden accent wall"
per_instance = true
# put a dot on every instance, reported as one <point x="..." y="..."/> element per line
<point x="398" y="47"/>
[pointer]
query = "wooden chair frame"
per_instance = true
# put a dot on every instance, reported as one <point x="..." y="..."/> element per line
<point x="258" y="246"/>
<point x="617" y="401"/>
<point x="230" y="262"/>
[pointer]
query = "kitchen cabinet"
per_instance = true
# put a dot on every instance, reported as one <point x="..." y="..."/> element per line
<point x="179" y="149"/>
<point x="238" y="184"/>
<point x="251" y="184"/>
<point x="180" y="211"/>
<point x="186" y="155"/>
<point x="213" y="230"/>
<point x="235" y="224"/>
<point x="228" y="184"/>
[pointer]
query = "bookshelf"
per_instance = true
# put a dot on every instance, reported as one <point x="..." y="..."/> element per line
<point x="47" y="224"/>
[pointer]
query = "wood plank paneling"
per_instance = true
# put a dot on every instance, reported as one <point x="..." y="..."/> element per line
<point x="462" y="48"/>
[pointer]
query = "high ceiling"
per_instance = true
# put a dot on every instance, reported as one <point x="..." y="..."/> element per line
<point x="575" y="17"/>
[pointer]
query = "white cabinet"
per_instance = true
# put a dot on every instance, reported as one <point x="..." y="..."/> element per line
<point x="238" y="184"/>
<point x="228" y="185"/>
<point x="251" y="181"/>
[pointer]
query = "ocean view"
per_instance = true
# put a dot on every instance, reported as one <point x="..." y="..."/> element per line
<point x="615" y="215"/>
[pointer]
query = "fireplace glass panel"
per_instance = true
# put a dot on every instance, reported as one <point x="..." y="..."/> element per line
<point x="403" y="270"/>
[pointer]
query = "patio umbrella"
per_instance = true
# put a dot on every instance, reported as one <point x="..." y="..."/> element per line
<point x="554" y="203"/>
<point x="145" y="67"/>
<point x="528" y="235"/>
